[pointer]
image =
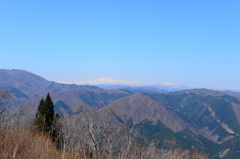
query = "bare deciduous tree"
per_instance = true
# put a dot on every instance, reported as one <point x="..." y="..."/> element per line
<point x="5" y="98"/>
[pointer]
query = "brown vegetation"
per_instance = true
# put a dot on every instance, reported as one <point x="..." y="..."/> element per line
<point x="23" y="144"/>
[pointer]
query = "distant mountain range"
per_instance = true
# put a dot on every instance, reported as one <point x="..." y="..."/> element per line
<point x="144" y="88"/>
<point x="194" y="118"/>
<point x="110" y="83"/>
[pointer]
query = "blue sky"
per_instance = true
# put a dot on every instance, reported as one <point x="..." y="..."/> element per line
<point x="185" y="42"/>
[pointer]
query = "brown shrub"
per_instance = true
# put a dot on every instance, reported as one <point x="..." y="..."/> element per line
<point x="23" y="144"/>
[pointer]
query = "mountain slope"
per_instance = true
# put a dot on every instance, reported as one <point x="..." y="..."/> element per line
<point x="139" y="107"/>
<point x="27" y="84"/>
<point x="159" y="121"/>
<point x="215" y="113"/>
<point x="212" y="111"/>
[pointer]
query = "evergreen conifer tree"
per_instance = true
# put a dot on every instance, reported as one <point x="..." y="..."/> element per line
<point x="49" y="113"/>
<point x="40" y="120"/>
<point x="48" y="123"/>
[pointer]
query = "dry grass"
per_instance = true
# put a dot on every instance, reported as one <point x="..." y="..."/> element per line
<point x="23" y="144"/>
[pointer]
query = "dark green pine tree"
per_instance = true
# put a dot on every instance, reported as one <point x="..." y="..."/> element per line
<point x="45" y="115"/>
<point x="49" y="111"/>
<point x="48" y="123"/>
<point x="40" y="120"/>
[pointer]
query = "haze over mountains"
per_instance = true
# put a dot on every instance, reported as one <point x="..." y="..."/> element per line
<point x="195" y="117"/>
<point x="110" y="83"/>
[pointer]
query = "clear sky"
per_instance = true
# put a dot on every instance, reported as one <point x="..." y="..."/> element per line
<point x="180" y="41"/>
